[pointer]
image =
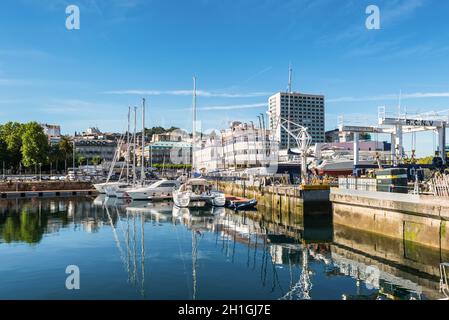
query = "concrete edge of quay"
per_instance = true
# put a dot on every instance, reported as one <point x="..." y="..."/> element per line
<point x="283" y="198"/>
<point x="411" y="218"/>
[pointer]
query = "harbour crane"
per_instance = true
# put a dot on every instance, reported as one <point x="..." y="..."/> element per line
<point x="302" y="138"/>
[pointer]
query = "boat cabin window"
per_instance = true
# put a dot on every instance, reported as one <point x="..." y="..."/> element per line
<point x="168" y="185"/>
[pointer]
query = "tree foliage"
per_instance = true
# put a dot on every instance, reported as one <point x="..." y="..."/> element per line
<point x="96" y="160"/>
<point x="35" y="145"/>
<point x="11" y="139"/>
<point x="157" y="130"/>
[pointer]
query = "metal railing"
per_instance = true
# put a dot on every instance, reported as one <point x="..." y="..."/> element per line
<point x="352" y="183"/>
<point x="373" y="185"/>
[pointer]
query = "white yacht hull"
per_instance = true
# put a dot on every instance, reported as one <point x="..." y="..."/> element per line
<point x="101" y="187"/>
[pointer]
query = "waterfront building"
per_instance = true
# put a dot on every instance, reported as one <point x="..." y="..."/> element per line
<point x="88" y="148"/>
<point x="240" y="146"/>
<point x="168" y="152"/>
<point x="169" y="148"/>
<point x="53" y="132"/>
<point x="305" y="109"/>
<point x="177" y="135"/>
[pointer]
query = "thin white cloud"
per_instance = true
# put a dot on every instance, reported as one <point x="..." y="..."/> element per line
<point x="234" y="107"/>
<point x="75" y="106"/>
<point x="28" y="53"/>
<point x="13" y="82"/>
<point x="200" y="93"/>
<point x="416" y="95"/>
<point x="401" y="9"/>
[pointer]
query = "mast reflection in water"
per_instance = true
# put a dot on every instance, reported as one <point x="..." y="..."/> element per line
<point x="157" y="251"/>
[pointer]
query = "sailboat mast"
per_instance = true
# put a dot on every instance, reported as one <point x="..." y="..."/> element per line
<point x="194" y="126"/>
<point x="127" y="145"/>
<point x="289" y="103"/>
<point x="142" y="167"/>
<point x="134" y="146"/>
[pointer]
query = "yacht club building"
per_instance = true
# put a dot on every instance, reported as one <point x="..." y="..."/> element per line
<point x="240" y="146"/>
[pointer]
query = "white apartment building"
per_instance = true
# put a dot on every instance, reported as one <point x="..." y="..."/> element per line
<point x="53" y="132"/>
<point x="240" y="146"/>
<point x="305" y="109"/>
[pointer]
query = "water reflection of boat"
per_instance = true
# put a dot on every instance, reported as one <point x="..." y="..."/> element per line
<point x="130" y="256"/>
<point x="161" y="211"/>
<point x="275" y="250"/>
<point x="99" y="200"/>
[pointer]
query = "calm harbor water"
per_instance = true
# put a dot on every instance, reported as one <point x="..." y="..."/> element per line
<point x="156" y="251"/>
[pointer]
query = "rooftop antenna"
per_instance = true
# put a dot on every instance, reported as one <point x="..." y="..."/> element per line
<point x="400" y="104"/>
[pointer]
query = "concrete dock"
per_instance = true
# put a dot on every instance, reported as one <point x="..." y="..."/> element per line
<point x="280" y="198"/>
<point x="412" y="218"/>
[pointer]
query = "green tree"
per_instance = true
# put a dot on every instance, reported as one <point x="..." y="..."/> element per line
<point x="96" y="160"/>
<point x="66" y="148"/>
<point x="11" y="134"/>
<point x="81" y="160"/>
<point x="157" y="130"/>
<point x="55" y="156"/>
<point x="34" y="145"/>
<point x="3" y="152"/>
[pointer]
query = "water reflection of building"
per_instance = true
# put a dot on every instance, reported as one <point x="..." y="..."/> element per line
<point x="28" y="220"/>
<point x="388" y="285"/>
<point x="404" y="271"/>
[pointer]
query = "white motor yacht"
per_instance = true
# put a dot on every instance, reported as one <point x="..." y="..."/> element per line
<point x="159" y="190"/>
<point x="197" y="193"/>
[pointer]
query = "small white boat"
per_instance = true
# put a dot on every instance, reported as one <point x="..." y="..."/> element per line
<point x="159" y="190"/>
<point x="198" y="193"/>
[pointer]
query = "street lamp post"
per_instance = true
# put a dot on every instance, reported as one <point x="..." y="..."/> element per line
<point x="40" y="171"/>
<point x="73" y="156"/>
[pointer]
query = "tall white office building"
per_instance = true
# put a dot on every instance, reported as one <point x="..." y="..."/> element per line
<point x="305" y="109"/>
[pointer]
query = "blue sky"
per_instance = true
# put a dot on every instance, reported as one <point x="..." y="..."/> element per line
<point x="239" y="51"/>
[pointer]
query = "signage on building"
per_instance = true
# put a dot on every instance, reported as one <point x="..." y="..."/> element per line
<point x="413" y="122"/>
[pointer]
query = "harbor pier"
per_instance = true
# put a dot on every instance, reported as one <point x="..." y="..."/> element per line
<point x="415" y="219"/>
<point x="29" y="189"/>
<point x="281" y="198"/>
